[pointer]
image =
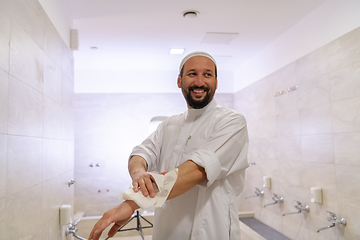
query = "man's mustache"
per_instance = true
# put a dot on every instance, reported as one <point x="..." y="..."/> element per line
<point x="206" y="89"/>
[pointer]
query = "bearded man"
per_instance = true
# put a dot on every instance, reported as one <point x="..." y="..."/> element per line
<point x="191" y="168"/>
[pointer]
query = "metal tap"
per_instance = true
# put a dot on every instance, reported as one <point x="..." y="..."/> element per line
<point x="72" y="230"/>
<point x="299" y="207"/>
<point x="332" y="219"/>
<point x="276" y="198"/>
<point x="257" y="192"/>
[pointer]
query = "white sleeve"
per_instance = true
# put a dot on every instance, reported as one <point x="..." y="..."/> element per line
<point x="164" y="185"/>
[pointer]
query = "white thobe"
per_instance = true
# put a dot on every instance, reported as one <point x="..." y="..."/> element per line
<point x="216" y="139"/>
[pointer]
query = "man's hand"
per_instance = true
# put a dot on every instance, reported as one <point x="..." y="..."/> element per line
<point x="119" y="215"/>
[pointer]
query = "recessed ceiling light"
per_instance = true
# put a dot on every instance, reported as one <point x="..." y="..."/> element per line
<point x="190" y="14"/>
<point x="177" y="51"/>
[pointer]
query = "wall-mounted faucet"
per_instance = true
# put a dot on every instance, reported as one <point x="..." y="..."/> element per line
<point x="333" y="219"/>
<point x="276" y="198"/>
<point x="257" y="192"/>
<point x="71" y="230"/>
<point x="299" y="207"/>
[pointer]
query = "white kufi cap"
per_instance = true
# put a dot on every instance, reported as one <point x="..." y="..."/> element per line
<point x="194" y="54"/>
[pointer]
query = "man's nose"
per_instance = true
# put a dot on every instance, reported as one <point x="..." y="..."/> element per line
<point x="199" y="81"/>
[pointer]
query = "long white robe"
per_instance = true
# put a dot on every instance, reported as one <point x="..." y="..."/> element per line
<point x="216" y="139"/>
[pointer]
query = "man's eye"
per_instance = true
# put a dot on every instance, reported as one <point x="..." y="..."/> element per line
<point x="208" y="74"/>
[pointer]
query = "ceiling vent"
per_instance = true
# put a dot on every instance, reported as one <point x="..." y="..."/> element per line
<point x="190" y="14"/>
<point x="218" y="38"/>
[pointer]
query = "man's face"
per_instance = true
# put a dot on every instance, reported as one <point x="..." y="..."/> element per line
<point x="198" y="83"/>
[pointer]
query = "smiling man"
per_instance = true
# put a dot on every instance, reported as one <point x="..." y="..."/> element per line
<point x="201" y="156"/>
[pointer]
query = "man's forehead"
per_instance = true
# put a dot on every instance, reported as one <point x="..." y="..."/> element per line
<point x="195" y="63"/>
<point x="195" y="54"/>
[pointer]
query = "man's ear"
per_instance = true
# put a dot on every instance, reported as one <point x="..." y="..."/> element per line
<point x="179" y="81"/>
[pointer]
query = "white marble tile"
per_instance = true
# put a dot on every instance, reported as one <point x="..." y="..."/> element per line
<point x="285" y="78"/>
<point x="52" y="162"/>
<point x="23" y="163"/>
<point x="318" y="148"/>
<point x="25" y="109"/>
<point x="4" y="82"/>
<point x="346" y="148"/>
<point x="313" y="91"/>
<point x="52" y="80"/>
<point x="24" y="209"/>
<point x="67" y="124"/>
<point x="53" y="45"/>
<point x="346" y="115"/>
<point x="67" y="92"/>
<point x="288" y="102"/>
<point x="345" y="83"/>
<point x="26" y="58"/>
<point x="68" y="63"/>
<point x="313" y="64"/>
<point x="288" y="124"/>
<point x="288" y="148"/>
<point x="52" y="119"/>
<point x="3" y="219"/>
<point x="344" y="51"/>
<point x="3" y="154"/>
<point x="316" y="120"/>
<point x="349" y="209"/>
<point x="348" y="181"/>
<point x="267" y="148"/>
<point x="31" y="17"/>
<point x="4" y="39"/>
<point x="67" y="156"/>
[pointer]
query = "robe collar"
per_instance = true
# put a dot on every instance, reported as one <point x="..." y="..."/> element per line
<point x="193" y="114"/>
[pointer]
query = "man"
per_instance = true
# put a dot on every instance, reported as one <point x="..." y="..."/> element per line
<point x="205" y="152"/>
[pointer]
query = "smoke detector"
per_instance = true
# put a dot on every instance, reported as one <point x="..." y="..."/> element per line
<point x="190" y="14"/>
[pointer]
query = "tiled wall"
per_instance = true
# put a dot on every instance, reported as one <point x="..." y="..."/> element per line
<point x="307" y="138"/>
<point x="107" y="127"/>
<point x="36" y="123"/>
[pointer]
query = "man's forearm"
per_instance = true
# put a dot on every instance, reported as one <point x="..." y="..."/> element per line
<point x="137" y="164"/>
<point x="189" y="175"/>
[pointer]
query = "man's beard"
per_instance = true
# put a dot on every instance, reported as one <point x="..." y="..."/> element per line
<point x="197" y="104"/>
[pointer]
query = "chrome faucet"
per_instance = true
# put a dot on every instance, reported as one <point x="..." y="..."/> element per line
<point x="276" y="199"/>
<point x="257" y="192"/>
<point x="333" y="219"/>
<point x="72" y="230"/>
<point x="299" y="207"/>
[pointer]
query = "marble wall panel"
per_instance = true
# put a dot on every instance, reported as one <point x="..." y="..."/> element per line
<point x="3" y="154"/>
<point x="346" y="115"/>
<point x="52" y="80"/>
<point x="316" y="120"/>
<point x="52" y="119"/>
<point x="23" y="174"/>
<point x="312" y="65"/>
<point x="53" y="47"/>
<point x="51" y="160"/>
<point x="5" y="24"/>
<point x="67" y="124"/>
<point x="288" y="102"/>
<point x="344" y="51"/>
<point x="346" y="148"/>
<point x="4" y="101"/>
<point x="288" y="148"/>
<point x="26" y="58"/>
<point x="288" y="124"/>
<point x="345" y="82"/>
<point x="313" y="91"/>
<point x="67" y="156"/>
<point x="348" y="181"/>
<point x="3" y="219"/>
<point x="318" y="148"/>
<point x="349" y="209"/>
<point x="25" y="109"/>
<point x="67" y="92"/>
<point x="68" y="63"/>
<point x="285" y="78"/>
<point x="31" y="16"/>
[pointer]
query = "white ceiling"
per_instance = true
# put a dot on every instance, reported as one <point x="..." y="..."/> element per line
<point x="137" y="35"/>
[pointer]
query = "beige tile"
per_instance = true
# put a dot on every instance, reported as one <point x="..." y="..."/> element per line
<point x="290" y="173"/>
<point x="344" y="51"/>
<point x="314" y="64"/>
<point x="67" y="92"/>
<point x="67" y="156"/>
<point x="288" y="148"/>
<point x="52" y="80"/>
<point x="316" y="120"/>
<point x="25" y="109"/>
<point x="52" y="162"/>
<point x="3" y="219"/>
<point x="348" y="181"/>
<point x="3" y="155"/>
<point x="346" y="148"/>
<point x="52" y="119"/>
<point x="24" y="209"/>
<point x="23" y="163"/>
<point x="318" y="148"/>
<point x="314" y="91"/>
<point x="3" y="101"/>
<point x="346" y="115"/>
<point x="4" y="39"/>
<point x="349" y="209"/>
<point x="288" y="102"/>
<point x="267" y="148"/>
<point x="68" y="63"/>
<point x="67" y="124"/>
<point x="285" y="78"/>
<point x="344" y="83"/>
<point x="53" y="44"/>
<point x="31" y="17"/>
<point x="26" y="58"/>
<point x="288" y="124"/>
